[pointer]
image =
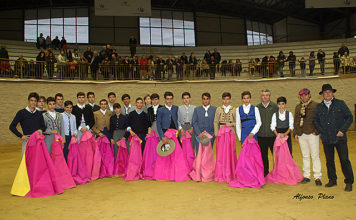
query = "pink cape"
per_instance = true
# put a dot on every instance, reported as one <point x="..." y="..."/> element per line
<point x="76" y="165"/>
<point x="204" y="164"/>
<point x="41" y="171"/>
<point x="89" y="151"/>
<point x="175" y="166"/>
<point x="188" y="149"/>
<point x="133" y="171"/>
<point x="225" y="155"/>
<point x="62" y="171"/>
<point x="285" y="171"/>
<point x="149" y="155"/>
<point x="249" y="169"/>
<point x="107" y="155"/>
<point x="122" y="158"/>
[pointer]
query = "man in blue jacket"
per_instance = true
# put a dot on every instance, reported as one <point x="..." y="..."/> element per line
<point x="167" y="116"/>
<point x="332" y="118"/>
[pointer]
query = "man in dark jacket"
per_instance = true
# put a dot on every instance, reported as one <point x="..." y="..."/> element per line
<point x="332" y="118"/>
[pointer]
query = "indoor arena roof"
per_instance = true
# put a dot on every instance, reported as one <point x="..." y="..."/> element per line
<point x="267" y="11"/>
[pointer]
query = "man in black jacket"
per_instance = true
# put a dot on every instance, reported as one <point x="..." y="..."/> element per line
<point x="91" y="102"/>
<point x="332" y="118"/>
<point x="94" y="65"/>
<point x="84" y="116"/>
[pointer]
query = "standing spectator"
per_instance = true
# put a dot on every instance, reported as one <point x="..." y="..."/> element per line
<point x="143" y="67"/>
<point x="179" y="67"/>
<point x="48" y="42"/>
<point x="63" y="43"/>
<point x="193" y="65"/>
<point x="41" y="42"/>
<point x="280" y="60"/>
<point x="251" y="67"/>
<point x="133" y="44"/>
<point x="311" y="62"/>
<point x="302" y="66"/>
<point x="40" y="64"/>
<point x="212" y="67"/>
<point x="321" y="59"/>
<point x="88" y="54"/>
<point x="332" y="119"/>
<point x="4" y="63"/>
<point x="83" y="67"/>
<point x="69" y="54"/>
<point x="271" y="66"/>
<point x="217" y="56"/>
<point x="258" y="65"/>
<point x="342" y="50"/>
<point x="62" y="63"/>
<point x="109" y="51"/>
<point x="76" y="55"/>
<point x="336" y="61"/>
<point x="292" y="59"/>
<point x="265" y="66"/>
<point x="56" y="43"/>
<point x="160" y="68"/>
<point x="238" y="67"/>
<point x="169" y="65"/>
<point x="50" y="61"/>
<point x="207" y="55"/>
<point x="102" y="53"/>
<point x="346" y="63"/>
<point x="105" y="68"/>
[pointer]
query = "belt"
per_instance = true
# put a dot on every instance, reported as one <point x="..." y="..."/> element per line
<point x="187" y="123"/>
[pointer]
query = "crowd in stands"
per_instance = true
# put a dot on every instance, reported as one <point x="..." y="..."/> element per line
<point x="70" y="64"/>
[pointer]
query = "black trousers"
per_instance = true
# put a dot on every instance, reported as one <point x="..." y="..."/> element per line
<point x="346" y="167"/>
<point x="65" y="148"/>
<point x="266" y="143"/>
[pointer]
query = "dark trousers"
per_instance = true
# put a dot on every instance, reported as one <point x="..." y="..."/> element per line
<point x="265" y="143"/>
<point x="346" y="167"/>
<point x="65" y="148"/>
<point x="142" y="136"/>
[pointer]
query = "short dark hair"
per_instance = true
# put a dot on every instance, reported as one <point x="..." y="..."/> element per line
<point x="116" y="105"/>
<point x="42" y="97"/>
<point x="90" y="93"/>
<point x="145" y="97"/>
<point x="33" y="95"/>
<point x="58" y="95"/>
<point x="111" y="93"/>
<point x="66" y="103"/>
<point x="206" y="94"/>
<point x="138" y="99"/>
<point x="282" y="99"/>
<point x="226" y="94"/>
<point x="125" y="96"/>
<point x="154" y="96"/>
<point x="80" y="94"/>
<point x="103" y="100"/>
<point x="168" y="94"/>
<point x="51" y="99"/>
<point x="186" y="93"/>
<point x="245" y="93"/>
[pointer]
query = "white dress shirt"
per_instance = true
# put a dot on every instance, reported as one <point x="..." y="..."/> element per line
<point x="169" y="108"/>
<point x="282" y="117"/>
<point x="226" y="108"/>
<point x="81" y="107"/>
<point x="28" y="109"/>
<point x="127" y="109"/>
<point x="155" y="109"/>
<point x="111" y="107"/>
<point x="246" y="109"/>
<point x="103" y="111"/>
<point x="52" y="114"/>
<point x="206" y="108"/>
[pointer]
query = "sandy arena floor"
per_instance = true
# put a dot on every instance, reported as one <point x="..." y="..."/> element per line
<point x="113" y="198"/>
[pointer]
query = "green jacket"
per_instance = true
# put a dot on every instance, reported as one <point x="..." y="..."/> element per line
<point x="266" y="117"/>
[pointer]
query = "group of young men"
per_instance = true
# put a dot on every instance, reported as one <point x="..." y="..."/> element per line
<point x="331" y="119"/>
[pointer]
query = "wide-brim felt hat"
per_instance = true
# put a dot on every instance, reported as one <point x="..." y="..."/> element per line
<point x="326" y="87"/>
<point x="205" y="141"/>
<point x="165" y="150"/>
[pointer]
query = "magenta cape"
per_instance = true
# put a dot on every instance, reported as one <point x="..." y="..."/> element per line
<point x="133" y="171"/>
<point x="249" y="169"/>
<point x="76" y="165"/>
<point x="41" y="171"/>
<point x="89" y="151"/>
<point x="225" y="154"/>
<point x="62" y="171"/>
<point x="204" y="164"/>
<point x="173" y="167"/>
<point x="285" y="171"/>
<point x="107" y="156"/>
<point x="149" y="155"/>
<point x="122" y="158"/>
<point x="188" y="149"/>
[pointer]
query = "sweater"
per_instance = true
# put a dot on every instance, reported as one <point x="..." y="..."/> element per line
<point x="266" y="117"/>
<point x="30" y="122"/>
<point x="139" y="123"/>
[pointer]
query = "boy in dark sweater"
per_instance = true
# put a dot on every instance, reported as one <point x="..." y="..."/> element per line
<point x="118" y="125"/>
<point x="30" y="120"/>
<point x="139" y="123"/>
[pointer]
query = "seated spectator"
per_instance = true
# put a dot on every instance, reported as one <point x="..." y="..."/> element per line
<point x="342" y="50"/>
<point x="41" y="42"/>
<point x="48" y="42"/>
<point x="63" y="43"/>
<point x="56" y="43"/>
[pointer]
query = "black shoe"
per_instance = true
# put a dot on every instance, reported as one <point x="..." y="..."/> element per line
<point x="330" y="184"/>
<point x="318" y="182"/>
<point x="305" y="180"/>
<point x="348" y="187"/>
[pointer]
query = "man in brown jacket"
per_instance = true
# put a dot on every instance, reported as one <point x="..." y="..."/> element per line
<point x="306" y="134"/>
<point x="102" y="120"/>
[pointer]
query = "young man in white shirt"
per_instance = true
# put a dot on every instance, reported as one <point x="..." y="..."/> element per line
<point x="70" y="126"/>
<point x="112" y="99"/>
<point x="185" y="117"/>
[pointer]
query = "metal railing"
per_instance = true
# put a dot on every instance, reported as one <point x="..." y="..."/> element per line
<point x="24" y="69"/>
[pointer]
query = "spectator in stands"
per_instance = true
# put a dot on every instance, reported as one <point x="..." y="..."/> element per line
<point x="114" y="51"/>
<point x="321" y="58"/>
<point x="258" y="65"/>
<point x="83" y="67"/>
<point x="251" y="66"/>
<point x="217" y="56"/>
<point x="105" y="68"/>
<point x="342" y="50"/>
<point x="72" y="68"/>
<point x="102" y="53"/>
<point x="192" y="65"/>
<point x="179" y="67"/>
<point x="21" y="67"/>
<point x="41" y="42"/>
<point x="265" y="60"/>
<point x="169" y="66"/>
<point x="336" y="61"/>
<point x="205" y="68"/>
<point x="88" y="54"/>
<point x="143" y="67"/>
<point x="207" y="55"/>
<point x="292" y="60"/>
<point x="311" y="62"/>
<point x="272" y="66"/>
<point x="56" y="43"/>
<point x="40" y="64"/>
<point x="50" y="61"/>
<point x="109" y="51"/>
<point x="76" y="55"/>
<point x="69" y="54"/>
<point x="212" y="67"/>
<point x="135" y="68"/>
<point x="280" y="60"/>
<point x="184" y="58"/>
<point x="302" y="66"/>
<point x="238" y="67"/>
<point x="133" y="44"/>
<point x="3" y="52"/>
<point x="48" y="42"/>
<point x="94" y="65"/>
<point x="63" y="43"/>
<point x="346" y="62"/>
<point x="62" y="63"/>
<point x="160" y="68"/>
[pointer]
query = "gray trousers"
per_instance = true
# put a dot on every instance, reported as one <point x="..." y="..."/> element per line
<point x="192" y="139"/>
<point x="24" y="143"/>
<point x="118" y="135"/>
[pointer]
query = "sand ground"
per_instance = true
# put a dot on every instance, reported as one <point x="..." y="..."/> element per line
<point x="113" y="198"/>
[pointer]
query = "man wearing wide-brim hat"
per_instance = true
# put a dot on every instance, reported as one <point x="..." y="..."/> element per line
<point x="332" y="119"/>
